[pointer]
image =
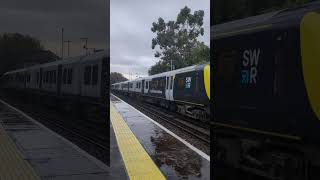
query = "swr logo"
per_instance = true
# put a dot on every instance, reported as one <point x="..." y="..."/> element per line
<point x="250" y="63"/>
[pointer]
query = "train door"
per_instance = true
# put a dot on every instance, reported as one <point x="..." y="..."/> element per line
<point x="40" y="78"/>
<point x="171" y="83"/>
<point x="142" y="86"/>
<point x="146" y="86"/>
<point x="59" y="79"/>
<point x="167" y="88"/>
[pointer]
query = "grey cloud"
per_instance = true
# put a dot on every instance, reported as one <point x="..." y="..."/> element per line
<point x="131" y="35"/>
<point x="42" y="19"/>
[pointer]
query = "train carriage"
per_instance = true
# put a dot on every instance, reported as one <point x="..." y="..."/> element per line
<point x="265" y="75"/>
<point x="82" y="78"/>
<point x="186" y="90"/>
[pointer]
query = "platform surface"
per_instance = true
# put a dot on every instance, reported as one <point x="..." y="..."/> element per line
<point x="174" y="159"/>
<point x="42" y="153"/>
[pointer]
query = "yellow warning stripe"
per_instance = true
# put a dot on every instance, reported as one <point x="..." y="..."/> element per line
<point x="138" y="163"/>
<point x="12" y="164"/>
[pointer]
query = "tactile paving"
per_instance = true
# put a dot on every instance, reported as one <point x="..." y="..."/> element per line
<point x="139" y="164"/>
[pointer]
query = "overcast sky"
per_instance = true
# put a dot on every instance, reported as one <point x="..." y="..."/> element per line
<point x="43" y="19"/>
<point x="130" y="34"/>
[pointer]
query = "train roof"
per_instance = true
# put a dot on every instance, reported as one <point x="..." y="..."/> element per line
<point x="69" y="60"/>
<point x="181" y="70"/>
<point x="276" y="19"/>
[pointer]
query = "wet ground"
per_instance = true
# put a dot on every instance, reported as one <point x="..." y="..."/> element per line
<point x="174" y="158"/>
<point x="201" y="145"/>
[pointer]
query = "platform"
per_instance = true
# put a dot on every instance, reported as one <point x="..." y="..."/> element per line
<point x="166" y="153"/>
<point x="31" y="151"/>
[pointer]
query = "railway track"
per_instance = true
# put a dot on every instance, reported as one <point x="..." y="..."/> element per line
<point x="198" y="129"/>
<point x="92" y="138"/>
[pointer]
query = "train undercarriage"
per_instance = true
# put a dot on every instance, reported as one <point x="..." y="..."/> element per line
<point x="198" y="112"/>
<point x="271" y="158"/>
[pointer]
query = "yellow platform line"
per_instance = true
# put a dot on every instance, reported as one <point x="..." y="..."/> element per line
<point x="139" y="164"/>
<point x="12" y="164"/>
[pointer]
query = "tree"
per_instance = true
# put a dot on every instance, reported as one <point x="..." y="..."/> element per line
<point x="116" y="77"/>
<point x="17" y="50"/>
<point x="177" y="41"/>
<point x="228" y="10"/>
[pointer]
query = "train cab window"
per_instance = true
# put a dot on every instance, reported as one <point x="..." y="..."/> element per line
<point x="87" y="75"/>
<point x="69" y="79"/>
<point x="167" y="83"/>
<point x="95" y="74"/>
<point x="171" y="85"/>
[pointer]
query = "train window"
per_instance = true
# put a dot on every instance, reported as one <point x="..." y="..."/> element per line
<point x="47" y="76"/>
<point x="54" y="76"/>
<point x="64" y="76"/>
<point x="167" y="83"/>
<point x="180" y="83"/>
<point x="147" y="84"/>
<point x="87" y="75"/>
<point x="197" y="84"/>
<point x="95" y="74"/>
<point x="162" y="83"/>
<point x="49" y="80"/>
<point x="37" y="77"/>
<point x="50" y="77"/>
<point x="69" y="76"/>
<point x="171" y="85"/>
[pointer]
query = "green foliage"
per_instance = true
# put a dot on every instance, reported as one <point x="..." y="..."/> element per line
<point x="228" y="10"/>
<point x="16" y="50"/>
<point x="177" y="41"/>
<point x="116" y="77"/>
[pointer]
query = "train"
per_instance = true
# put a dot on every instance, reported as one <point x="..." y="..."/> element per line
<point x="72" y="81"/>
<point x="267" y="93"/>
<point x="185" y="90"/>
